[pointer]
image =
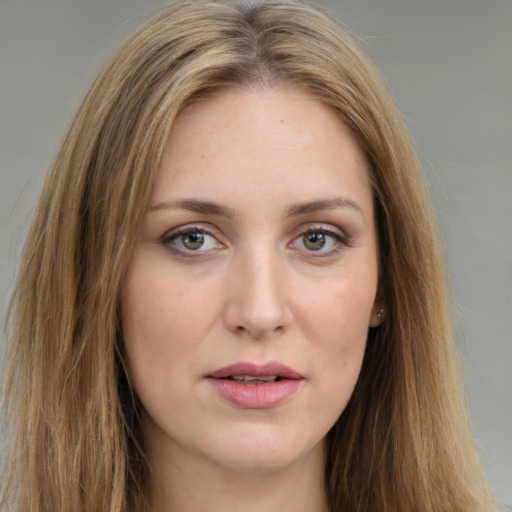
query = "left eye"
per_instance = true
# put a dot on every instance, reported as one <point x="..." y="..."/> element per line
<point x="190" y="241"/>
<point x="317" y="240"/>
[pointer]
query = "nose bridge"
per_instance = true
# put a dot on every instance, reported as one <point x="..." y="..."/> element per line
<point x="257" y="298"/>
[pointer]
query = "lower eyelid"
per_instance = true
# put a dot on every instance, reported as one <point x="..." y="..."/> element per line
<point x="341" y="241"/>
<point x="169" y="240"/>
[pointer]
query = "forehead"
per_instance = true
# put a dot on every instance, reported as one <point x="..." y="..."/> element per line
<point x="256" y="108"/>
<point x="278" y="141"/>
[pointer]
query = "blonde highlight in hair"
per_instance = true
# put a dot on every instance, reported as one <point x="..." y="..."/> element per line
<point x="402" y="443"/>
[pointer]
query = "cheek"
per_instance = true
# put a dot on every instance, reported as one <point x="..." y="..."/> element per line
<point x="338" y="323"/>
<point x="338" y="314"/>
<point x="164" y="320"/>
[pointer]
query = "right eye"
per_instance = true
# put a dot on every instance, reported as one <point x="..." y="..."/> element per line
<point x="190" y="239"/>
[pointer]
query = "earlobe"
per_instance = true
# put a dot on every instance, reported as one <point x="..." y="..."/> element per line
<point x="378" y="315"/>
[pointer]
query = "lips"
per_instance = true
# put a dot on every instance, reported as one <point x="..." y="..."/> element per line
<point x="252" y="386"/>
<point x="256" y="370"/>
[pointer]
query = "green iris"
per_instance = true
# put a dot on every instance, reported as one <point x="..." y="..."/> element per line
<point x="314" y="241"/>
<point x="193" y="241"/>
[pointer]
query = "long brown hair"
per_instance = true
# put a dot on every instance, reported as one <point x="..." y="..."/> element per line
<point x="402" y="444"/>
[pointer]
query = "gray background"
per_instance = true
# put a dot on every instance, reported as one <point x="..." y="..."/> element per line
<point x="449" y="65"/>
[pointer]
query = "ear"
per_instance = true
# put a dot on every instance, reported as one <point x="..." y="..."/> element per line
<point x="378" y="315"/>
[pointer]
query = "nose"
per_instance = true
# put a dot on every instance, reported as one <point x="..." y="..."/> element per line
<point x="257" y="291"/>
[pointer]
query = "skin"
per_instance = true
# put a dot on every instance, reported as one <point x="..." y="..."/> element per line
<point x="258" y="289"/>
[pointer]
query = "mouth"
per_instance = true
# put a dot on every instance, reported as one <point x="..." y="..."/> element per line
<point x="253" y="386"/>
<point x="254" y="374"/>
<point x="251" y="380"/>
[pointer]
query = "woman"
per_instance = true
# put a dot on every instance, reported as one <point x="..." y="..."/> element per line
<point x="231" y="295"/>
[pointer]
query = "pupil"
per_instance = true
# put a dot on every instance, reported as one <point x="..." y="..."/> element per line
<point x="314" y="241"/>
<point x="193" y="240"/>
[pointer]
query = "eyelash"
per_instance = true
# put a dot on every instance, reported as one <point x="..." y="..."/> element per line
<point x="176" y="233"/>
<point x="340" y="241"/>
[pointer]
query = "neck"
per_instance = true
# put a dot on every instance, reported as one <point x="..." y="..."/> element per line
<point x="184" y="484"/>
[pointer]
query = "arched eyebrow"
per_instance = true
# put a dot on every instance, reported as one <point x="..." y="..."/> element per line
<point x="195" y="205"/>
<point x="294" y="210"/>
<point x="323" y="204"/>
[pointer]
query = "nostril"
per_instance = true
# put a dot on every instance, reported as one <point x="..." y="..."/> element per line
<point x="259" y="331"/>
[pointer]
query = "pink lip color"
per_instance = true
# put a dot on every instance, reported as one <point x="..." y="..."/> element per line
<point x="260" y="396"/>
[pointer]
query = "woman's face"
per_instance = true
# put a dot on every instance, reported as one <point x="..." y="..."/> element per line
<point x="252" y="285"/>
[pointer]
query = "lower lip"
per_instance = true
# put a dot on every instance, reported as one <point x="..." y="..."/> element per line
<point x="259" y="396"/>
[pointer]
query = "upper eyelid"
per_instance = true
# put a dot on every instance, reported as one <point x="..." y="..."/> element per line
<point x="343" y="239"/>
<point x="341" y="235"/>
<point x="324" y="228"/>
<point x="208" y="228"/>
<point x="188" y="228"/>
<point x="169" y="238"/>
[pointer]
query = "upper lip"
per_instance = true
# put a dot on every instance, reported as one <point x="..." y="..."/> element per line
<point x="256" y="370"/>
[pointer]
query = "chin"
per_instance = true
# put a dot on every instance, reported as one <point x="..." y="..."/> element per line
<point x="261" y="451"/>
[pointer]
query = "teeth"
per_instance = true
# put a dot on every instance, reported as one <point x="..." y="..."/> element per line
<point x="249" y="378"/>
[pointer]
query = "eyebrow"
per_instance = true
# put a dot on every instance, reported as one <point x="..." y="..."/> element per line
<point x="323" y="204"/>
<point x="195" y="205"/>
<point x="211" y="208"/>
